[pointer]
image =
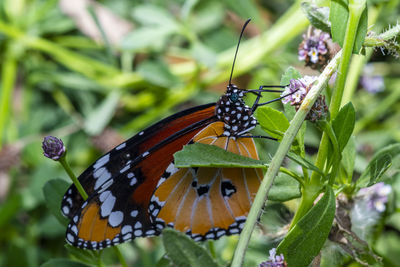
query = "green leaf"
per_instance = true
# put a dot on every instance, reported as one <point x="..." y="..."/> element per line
<point x="290" y="73"/>
<point x="90" y="257"/>
<point x="183" y="251"/>
<point x="99" y="118"/>
<point x="146" y="37"/>
<point x="158" y="73"/>
<point x="53" y="192"/>
<point x="9" y="209"/>
<point x="304" y="162"/>
<point x="306" y="238"/>
<point x="272" y="121"/>
<point x="202" y="155"/>
<point x="339" y="15"/>
<point x="154" y="15"/>
<point x="343" y="124"/>
<point x="348" y="157"/>
<point x="63" y="263"/>
<point x="284" y="188"/>
<point x="318" y="16"/>
<point x="380" y="163"/>
<point x="203" y="54"/>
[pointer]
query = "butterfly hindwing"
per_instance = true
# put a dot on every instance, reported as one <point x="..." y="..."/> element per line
<point x="207" y="203"/>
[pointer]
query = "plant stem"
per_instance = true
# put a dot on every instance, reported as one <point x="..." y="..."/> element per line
<point x="71" y="175"/>
<point x="355" y="11"/>
<point x="120" y="257"/>
<point x="277" y="160"/>
<point x="9" y="74"/>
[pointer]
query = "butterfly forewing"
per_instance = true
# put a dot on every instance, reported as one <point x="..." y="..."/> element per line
<point x="109" y="165"/>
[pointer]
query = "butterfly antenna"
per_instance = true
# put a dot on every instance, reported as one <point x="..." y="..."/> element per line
<point x="237" y="48"/>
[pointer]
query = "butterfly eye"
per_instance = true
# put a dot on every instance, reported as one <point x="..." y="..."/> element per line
<point x="234" y="97"/>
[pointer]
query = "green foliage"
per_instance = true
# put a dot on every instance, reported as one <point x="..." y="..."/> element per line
<point x="378" y="165"/>
<point x="343" y="125"/>
<point x="63" y="263"/>
<point x="318" y="16"/>
<point x="183" y="251"/>
<point x="306" y="238"/>
<point x="339" y="16"/>
<point x="53" y="192"/>
<point x="272" y="121"/>
<point x="202" y="155"/>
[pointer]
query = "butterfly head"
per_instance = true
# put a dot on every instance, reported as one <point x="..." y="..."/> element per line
<point x="232" y="110"/>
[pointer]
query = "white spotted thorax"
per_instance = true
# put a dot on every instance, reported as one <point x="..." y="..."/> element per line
<point x="237" y="116"/>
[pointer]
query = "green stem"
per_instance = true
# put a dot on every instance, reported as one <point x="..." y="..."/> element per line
<point x="308" y="195"/>
<point x="120" y="257"/>
<point x="9" y="73"/>
<point x="327" y="128"/>
<point x="358" y="61"/>
<point x="293" y="175"/>
<point x="71" y="175"/>
<point x="277" y="160"/>
<point x="355" y="11"/>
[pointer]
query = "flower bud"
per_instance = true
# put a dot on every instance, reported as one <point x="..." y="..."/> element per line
<point x="53" y="147"/>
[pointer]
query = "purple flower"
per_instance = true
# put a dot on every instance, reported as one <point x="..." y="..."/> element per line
<point x="372" y="82"/>
<point x="314" y="49"/>
<point x="274" y="260"/>
<point x="297" y="90"/>
<point x="376" y="196"/>
<point x="53" y="147"/>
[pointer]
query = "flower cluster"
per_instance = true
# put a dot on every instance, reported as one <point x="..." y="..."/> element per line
<point x="314" y="48"/>
<point x="53" y="147"/>
<point x="297" y="90"/>
<point x="376" y="196"/>
<point x="274" y="260"/>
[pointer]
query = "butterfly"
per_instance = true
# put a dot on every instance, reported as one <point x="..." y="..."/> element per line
<point x="135" y="190"/>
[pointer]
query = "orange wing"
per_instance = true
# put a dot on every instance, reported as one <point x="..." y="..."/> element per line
<point x="207" y="203"/>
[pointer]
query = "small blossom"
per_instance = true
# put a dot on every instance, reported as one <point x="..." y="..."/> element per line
<point x="297" y="90"/>
<point x="53" y="147"/>
<point x="314" y="48"/>
<point x="376" y="196"/>
<point x="370" y="81"/>
<point x="274" y="260"/>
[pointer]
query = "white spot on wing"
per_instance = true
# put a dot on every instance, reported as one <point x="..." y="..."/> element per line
<point x="102" y="179"/>
<point x="126" y="229"/>
<point x="145" y="154"/>
<point x="121" y="146"/>
<point x="65" y="210"/>
<point x="107" y="205"/>
<point x="124" y="169"/>
<point x="134" y="213"/>
<point x="115" y="218"/>
<point x="101" y="161"/>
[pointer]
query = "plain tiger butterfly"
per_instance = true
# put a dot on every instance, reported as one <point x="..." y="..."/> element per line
<point x="135" y="190"/>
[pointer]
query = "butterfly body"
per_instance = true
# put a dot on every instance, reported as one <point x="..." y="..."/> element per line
<point x="135" y="190"/>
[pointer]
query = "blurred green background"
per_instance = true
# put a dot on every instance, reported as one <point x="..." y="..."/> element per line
<point x="96" y="72"/>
